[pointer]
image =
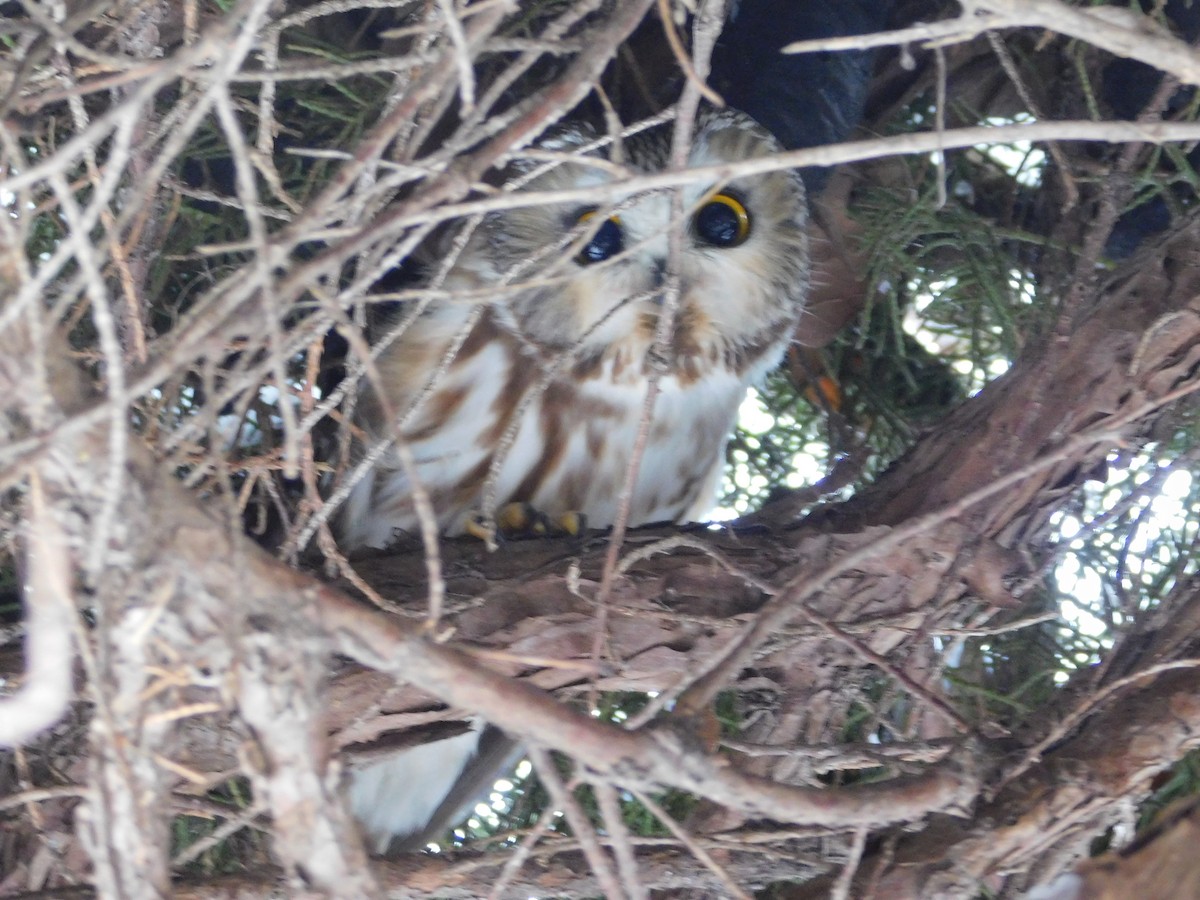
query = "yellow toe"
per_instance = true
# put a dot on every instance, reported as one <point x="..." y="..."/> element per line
<point x="515" y="518"/>
<point x="573" y="523"/>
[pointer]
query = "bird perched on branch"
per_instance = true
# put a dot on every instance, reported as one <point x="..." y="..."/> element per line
<point x="525" y="377"/>
<point x="533" y="371"/>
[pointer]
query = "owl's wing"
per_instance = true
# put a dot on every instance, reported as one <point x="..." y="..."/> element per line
<point x="561" y="436"/>
<point x="413" y="796"/>
<point x="495" y="754"/>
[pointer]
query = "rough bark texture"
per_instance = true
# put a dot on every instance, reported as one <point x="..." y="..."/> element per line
<point x="197" y="660"/>
<point x="841" y="601"/>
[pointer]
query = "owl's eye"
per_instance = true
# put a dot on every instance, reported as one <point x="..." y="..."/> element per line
<point x="722" y="221"/>
<point x="607" y="242"/>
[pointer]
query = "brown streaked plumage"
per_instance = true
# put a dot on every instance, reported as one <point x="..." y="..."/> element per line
<point x="558" y="362"/>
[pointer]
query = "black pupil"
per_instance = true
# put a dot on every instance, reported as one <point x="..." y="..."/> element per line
<point x="605" y="242"/>
<point x="718" y="224"/>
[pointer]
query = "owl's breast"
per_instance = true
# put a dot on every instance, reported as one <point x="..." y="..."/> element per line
<point x="574" y="448"/>
<point x="501" y="424"/>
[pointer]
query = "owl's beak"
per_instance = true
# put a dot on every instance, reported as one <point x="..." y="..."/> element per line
<point x="658" y="271"/>
<point x="658" y="277"/>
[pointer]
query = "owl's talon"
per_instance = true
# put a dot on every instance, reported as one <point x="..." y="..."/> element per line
<point x="477" y="526"/>
<point x="511" y="520"/>
<point x="518" y="520"/>
<point x="573" y="523"/>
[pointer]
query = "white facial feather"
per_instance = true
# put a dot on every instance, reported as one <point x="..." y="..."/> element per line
<point x="547" y="388"/>
<point x="560" y="362"/>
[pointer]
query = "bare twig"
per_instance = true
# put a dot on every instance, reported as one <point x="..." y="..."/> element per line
<point x="563" y="800"/>
<point x="619" y="838"/>
<point x="693" y="846"/>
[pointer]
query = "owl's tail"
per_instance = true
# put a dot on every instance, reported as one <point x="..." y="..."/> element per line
<point x="413" y="796"/>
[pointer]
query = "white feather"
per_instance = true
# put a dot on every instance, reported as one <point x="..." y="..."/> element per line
<point x="396" y="796"/>
<point x="737" y="307"/>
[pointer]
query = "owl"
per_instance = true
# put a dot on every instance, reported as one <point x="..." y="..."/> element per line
<point x="527" y="383"/>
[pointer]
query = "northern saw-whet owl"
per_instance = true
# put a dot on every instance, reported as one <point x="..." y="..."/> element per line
<point x="544" y="341"/>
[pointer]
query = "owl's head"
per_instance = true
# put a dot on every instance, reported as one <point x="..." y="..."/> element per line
<point x="593" y="276"/>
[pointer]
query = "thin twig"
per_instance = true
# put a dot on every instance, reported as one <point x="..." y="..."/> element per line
<point x="789" y="600"/>
<point x="845" y="880"/>
<point x="619" y="839"/>
<point x="681" y="834"/>
<point x="562" y="799"/>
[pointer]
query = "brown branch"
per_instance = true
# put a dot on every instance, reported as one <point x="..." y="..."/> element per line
<point x="645" y="760"/>
<point x="174" y="593"/>
<point x="200" y="637"/>
<point x="1071" y="793"/>
<point x="1120" y="31"/>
